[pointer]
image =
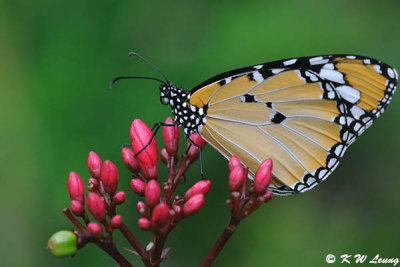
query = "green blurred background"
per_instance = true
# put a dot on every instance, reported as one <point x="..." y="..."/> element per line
<point x="57" y="59"/>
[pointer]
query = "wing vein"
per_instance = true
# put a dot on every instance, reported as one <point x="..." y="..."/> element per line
<point x="250" y="154"/>
<point x="216" y="91"/>
<point x="304" y="136"/>
<point x="237" y="121"/>
<point x="286" y="149"/>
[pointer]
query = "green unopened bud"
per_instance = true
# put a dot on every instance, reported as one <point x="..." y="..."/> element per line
<point x="62" y="243"/>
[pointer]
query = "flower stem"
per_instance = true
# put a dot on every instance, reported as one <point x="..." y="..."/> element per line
<point x="72" y="218"/>
<point x="135" y="244"/>
<point x="159" y="246"/>
<point x="219" y="245"/>
<point x="106" y="244"/>
<point x="114" y="253"/>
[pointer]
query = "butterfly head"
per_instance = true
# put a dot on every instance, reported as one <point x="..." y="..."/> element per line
<point x="186" y="115"/>
<point x="167" y="93"/>
<point x="172" y="95"/>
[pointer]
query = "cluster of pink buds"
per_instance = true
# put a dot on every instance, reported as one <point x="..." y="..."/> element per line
<point x="161" y="214"/>
<point x="245" y="200"/>
<point x="160" y="209"/>
<point x="101" y="202"/>
<point x="102" y="197"/>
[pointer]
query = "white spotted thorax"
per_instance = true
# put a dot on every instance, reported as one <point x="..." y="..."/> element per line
<point x="190" y="117"/>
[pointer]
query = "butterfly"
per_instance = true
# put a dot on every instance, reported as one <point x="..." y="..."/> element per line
<point x="303" y="113"/>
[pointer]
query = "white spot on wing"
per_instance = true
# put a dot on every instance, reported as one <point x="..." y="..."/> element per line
<point x="329" y="66"/>
<point x="357" y="112"/>
<point x="289" y="62"/>
<point x="351" y="57"/>
<point x="258" y="77"/>
<point x="276" y="71"/>
<point x="315" y="59"/>
<point x="357" y="126"/>
<point x="200" y="129"/>
<point x="318" y="60"/>
<point x="348" y="93"/>
<point x="332" y="75"/>
<point x="338" y="150"/>
<point x="311" y="180"/>
<point x="322" y="173"/>
<point x="378" y="69"/>
<point x="331" y="162"/>
<point x="390" y="73"/>
<point x="258" y="67"/>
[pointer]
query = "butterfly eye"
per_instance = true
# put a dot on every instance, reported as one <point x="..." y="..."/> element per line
<point x="165" y="100"/>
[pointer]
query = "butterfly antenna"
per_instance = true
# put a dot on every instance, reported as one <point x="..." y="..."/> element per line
<point x="133" y="77"/>
<point x="148" y="62"/>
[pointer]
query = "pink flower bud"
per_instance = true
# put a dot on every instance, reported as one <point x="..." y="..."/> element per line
<point x="144" y="224"/>
<point x="119" y="197"/>
<point x="116" y="221"/>
<point x="263" y="177"/>
<point x="96" y="206"/>
<point x="152" y="193"/>
<point x="164" y="155"/>
<point x="233" y="162"/>
<point x="160" y="214"/>
<point x="193" y="205"/>
<point x="138" y="186"/>
<point x="141" y="207"/>
<point x="236" y="178"/>
<point x="147" y="159"/>
<point x="201" y="187"/>
<point x="94" y="164"/>
<point x="109" y="176"/>
<point x="95" y="228"/>
<point x="76" y="207"/>
<point x="75" y="187"/>
<point x="128" y="157"/>
<point x="171" y="137"/>
<point x="267" y="196"/>
<point x="193" y="152"/>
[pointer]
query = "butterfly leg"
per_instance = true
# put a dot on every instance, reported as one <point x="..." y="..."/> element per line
<point x="156" y="127"/>
<point x="200" y="156"/>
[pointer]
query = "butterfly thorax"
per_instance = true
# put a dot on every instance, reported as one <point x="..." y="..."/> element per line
<point x="189" y="116"/>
